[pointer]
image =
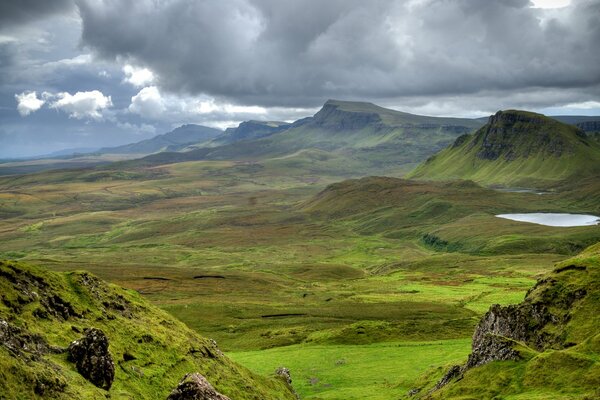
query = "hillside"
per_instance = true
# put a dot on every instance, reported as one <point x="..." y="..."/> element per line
<point x="249" y="130"/>
<point x="149" y="352"/>
<point x="367" y="136"/>
<point x="516" y="148"/>
<point x="175" y="140"/>
<point x="456" y="216"/>
<point x="548" y="346"/>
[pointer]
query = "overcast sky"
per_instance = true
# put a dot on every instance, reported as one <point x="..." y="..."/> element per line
<point x="91" y="73"/>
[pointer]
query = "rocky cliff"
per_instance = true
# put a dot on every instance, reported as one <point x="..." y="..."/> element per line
<point x="558" y="322"/>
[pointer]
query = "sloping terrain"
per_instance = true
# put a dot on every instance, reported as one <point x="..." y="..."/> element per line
<point x="175" y="140"/>
<point x="249" y="130"/>
<point x="516" y="148"/>
<point x="455" y="216"/>
<point x="548" y="346"/>
<point x="369" y="137"/>
<point x="42" y="313"/>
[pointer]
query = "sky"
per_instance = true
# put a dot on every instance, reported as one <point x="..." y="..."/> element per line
<point x="93" y="73"/>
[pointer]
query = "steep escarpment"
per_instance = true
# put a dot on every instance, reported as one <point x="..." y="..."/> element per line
<point x="516" y="148"/>
<point x="549" y="343"/>
<point x="72" y="336"/>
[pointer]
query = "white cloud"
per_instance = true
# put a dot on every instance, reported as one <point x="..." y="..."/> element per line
<point x="138" y="77"/>
<point x="28" y="102"/>
<point x="148" y="103"/>
<point x="82" y="105"/>
<point x="137" y="129"/>
<point x="550" y="3"/>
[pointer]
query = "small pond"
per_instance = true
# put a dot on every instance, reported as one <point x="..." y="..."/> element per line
<point x="554" y="219"/>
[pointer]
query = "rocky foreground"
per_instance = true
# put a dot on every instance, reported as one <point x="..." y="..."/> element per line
<point x="73" y="336"/>
<point x="548" y="345"/>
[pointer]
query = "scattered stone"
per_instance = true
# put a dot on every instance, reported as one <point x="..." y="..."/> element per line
<point x="285" y="374"/>
<point x="195" y="387"/>
<point x="23" y="344"/>
<point x="92" y="358"/>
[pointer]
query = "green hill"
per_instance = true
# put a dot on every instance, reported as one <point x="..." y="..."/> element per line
<point x="175" y="140"/>
<point x="42" y="313"/>
<point x="456" y="216"/>
<point x="367" y="136"/>
<point x="516" y="148"/>
<point x="547" y="347"/>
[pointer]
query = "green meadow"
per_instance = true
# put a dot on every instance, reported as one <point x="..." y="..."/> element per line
<point x="359" y="287"/>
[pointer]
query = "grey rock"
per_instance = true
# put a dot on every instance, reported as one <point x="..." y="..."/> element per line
<point x="195" y="387"/>
<point x="285" y="374"/>
<point x="92" y="358"/>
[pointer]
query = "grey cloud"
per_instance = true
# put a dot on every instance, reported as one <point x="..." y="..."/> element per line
<point x="299" y="52"/>
<point x="16" y="12"/>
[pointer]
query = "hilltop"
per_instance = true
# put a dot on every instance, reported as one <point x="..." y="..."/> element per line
<point x="363" y="135"/>
<point x="516" y="148"/>
<point x="43" y="313"/>
<point x="545" y="347"/>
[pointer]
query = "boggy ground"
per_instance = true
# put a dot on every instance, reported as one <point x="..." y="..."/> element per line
<point x="257" y="256"/>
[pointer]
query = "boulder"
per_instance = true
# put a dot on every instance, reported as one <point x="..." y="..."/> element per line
<point x="195" y="387"/>
<point x="92" y="358"/>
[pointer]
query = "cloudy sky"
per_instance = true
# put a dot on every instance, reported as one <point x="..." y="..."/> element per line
<point x="91" y="73"/>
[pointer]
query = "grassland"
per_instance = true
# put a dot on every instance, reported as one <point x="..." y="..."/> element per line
<point x="265" y="255"/>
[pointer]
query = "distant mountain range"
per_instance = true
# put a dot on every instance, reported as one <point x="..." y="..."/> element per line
<point x="359" y="138"/>
<point x="365" y="135"/>
<point x="516" y="148"/>
<point x="175" y="140"/>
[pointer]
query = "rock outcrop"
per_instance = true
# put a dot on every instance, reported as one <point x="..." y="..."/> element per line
<point x="510" y="135"/>
<point x="92" y="358"/>
<point x="195" y="387"/>
<point x="538" y="323"/>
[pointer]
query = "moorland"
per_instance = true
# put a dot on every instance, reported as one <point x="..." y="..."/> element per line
<point x="306" y="246"/>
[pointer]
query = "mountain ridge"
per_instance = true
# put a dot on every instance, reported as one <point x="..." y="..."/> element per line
<point x="174" y="140"/>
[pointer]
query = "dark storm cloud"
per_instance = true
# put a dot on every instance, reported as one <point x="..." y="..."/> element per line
<point x="272" y="52"/>
<point x="16" y="12"/>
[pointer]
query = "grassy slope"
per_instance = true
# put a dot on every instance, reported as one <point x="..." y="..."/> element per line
<point x="568" y="373"/>
<point x="163" y="348"/>
<point x="455" y="216"/>
<point x="530" y="161"/>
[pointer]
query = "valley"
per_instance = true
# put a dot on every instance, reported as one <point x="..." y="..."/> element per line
<point x="363" y="286"/>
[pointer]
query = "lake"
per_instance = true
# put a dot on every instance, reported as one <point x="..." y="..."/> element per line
<point x="553" y="219"/>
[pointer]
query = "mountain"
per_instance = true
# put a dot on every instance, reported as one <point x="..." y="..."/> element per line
<point x="516" y="148"/>
<point x="249" y="130"/>
<point x="575" y="119"/>
<point x="366" y="136"/>
<point x="546" y="347"/>
<point x="175" y="140"/>
<point x="73" y="336"/>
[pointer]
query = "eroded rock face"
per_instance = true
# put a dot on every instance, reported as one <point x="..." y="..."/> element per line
<point x="195" y="387"/>
<point x="92" y="358"/>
